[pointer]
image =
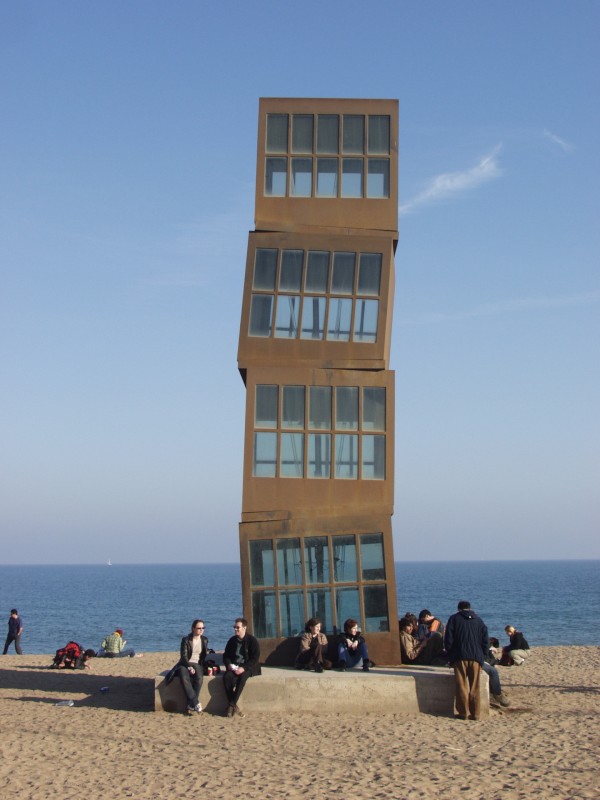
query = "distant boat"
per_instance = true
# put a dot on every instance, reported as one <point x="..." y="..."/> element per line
<point x="109" y="563"/>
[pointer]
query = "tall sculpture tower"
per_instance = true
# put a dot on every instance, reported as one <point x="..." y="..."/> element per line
<point x="315" y="535"/>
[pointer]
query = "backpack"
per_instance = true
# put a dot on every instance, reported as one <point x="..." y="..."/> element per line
<point x="67" y="656"/>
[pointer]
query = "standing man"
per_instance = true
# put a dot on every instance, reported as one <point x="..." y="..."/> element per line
<point x="15" y="629"/>
<point x="467" y="643"/>
<point x="241" y="657"/>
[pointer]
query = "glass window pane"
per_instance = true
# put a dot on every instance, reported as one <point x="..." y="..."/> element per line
<point x="301" y="184"/>
<point x="291" y="612"/>
<point x="369" y="274"/>
<point x="365" y="320"/>
<point x="313" y="318"/>
<point x="292" y="415"/>
<point x="319" y="414"/>
<point x="354" y="133"/>
<point x="262" y="564"/>
<point x="319" y="605"/>
<point x="376" y="609"/>
<point x="319" y="455"/>
<point x="277" y="133"/>
<point x="371" y="557"/>
<point x="345" y="568"/>
<point x="290" y="279"/>
<point x="379" y="135"/>
<point x="265" y="412"/>
<point x="292" y="455"/>
<point x="275" y="177"/>
<point x="286" y="319"/>
<point x="340" y="315"/>
<point x="327" y="177"/>
<point x="342" y="281"/>
<point x="347" y="606"/>
<point x="346" y="408"/>
<point x="346" y="456"/>
<point x="316" y="559"/>
<point x="317" y="271"/>
<point x="265" y="455"/>
<point x="373" y="412"/>
<point x="264" y="615"/>
<point x="378" y="180"/>
<point x="302" y="133"/>
<point x="352" y="177"/>
<point x="373" y="458"/>
<point x="265" y="267"/>
<point x="327" y="133"/>
<point x="261" y="314"/>
<point x="289" y="562"/>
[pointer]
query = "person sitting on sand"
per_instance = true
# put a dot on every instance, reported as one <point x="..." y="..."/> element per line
<point x="518" y="650"/>
<point x="72" y="656"/>
<point x="424" y="653"/>
<point x="313" y="647"/>
<point x="352" y="648"/>
<point x="190" y="667"/>
<point x="241" y="659"/>
<point x="113" y="646"/>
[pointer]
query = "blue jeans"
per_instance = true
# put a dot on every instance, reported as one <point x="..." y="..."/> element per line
<point x="191" y="683"/>
<point x="494" y="677"/>
<point x="350" y="658"/>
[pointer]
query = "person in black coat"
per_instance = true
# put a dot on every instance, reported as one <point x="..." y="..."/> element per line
<point x="241" y="660"/>
<point x="467" y="643"/>
<point x="190" y="667"/>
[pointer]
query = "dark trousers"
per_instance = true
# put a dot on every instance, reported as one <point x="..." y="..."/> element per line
<point x="313" y="656"/>
<point x="234" y="685"/>
<point x="431" y="651"/>
<point x="191" y="683"/>
<point x="466" y="682"/>
<point x="17" y="640"/>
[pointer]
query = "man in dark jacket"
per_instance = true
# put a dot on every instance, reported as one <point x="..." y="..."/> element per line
<point x="241" y="660"/>
<point x="467" y="643"/>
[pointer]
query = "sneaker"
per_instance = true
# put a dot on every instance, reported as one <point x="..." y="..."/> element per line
<point x="230" y="711"/>
<point x="501" y="700"/>
<point x="342" y="668"/>
<point x="190" y="711"/>
<point x="237" y="710"/>
<point x="198" y="708"/>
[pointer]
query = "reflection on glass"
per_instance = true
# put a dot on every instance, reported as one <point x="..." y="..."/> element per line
<point x="289" y="562"/>
<point x="319" y="605"/>
<point x="319" y="413"/>
<point x="373" y="412"/>
<point x="302" y="133"/>
<point x="317" y="271"/>
<point x="346" y="408"/>
<point x="376" y="609"/>
<point x="291" y="612"/>
<point x="290" y="279"/>
<point x="265" y="455"/>
<point x="265" y="267"/>
<point x="313" y="318"/>
<point x="347" y="605"/>
<point x="327" y="177"/>
<point x="379" y="135"/>
<point x="292" y="455"/>
<point x="265" y="413"/>
<point x="371" y="557"/>
<point x="344" y="559"/>
<point x="346" y="456"/>
<point x="378" y="177"/>
<point x="342" y="281"/>
<point x="277" y="133"/>
<point x="352" y="177"/>
<point x="286" y="319"/>
<point x="369" y="274"/>
<point x="292" y="415"/>
<point x="261" y="313"/>
<point x="275" y="177"/>
<point x="319" y="455"/>
<point x="340" y="315"/>
<point x="264" y="614"/>
<point x="301" y="184"/>
<point x="354" y="134"/>
<point x="327" y="133"/>
<point x="316" y="559"/>
<point x="262" y="564"/>
<point x="365" y="321"/>
<point x="373" y="458"/>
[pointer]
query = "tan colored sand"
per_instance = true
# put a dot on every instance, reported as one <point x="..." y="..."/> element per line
<point x="114" y="745"/>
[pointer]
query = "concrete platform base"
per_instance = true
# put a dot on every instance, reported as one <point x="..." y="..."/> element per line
<point x="402" y="690"/>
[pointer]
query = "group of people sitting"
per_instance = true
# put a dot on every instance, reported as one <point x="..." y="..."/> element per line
<point x="350" y="650"/>
<point x="74" y="656"/>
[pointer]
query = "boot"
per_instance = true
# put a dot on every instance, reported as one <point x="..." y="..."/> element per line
<point x="501" y="700"/>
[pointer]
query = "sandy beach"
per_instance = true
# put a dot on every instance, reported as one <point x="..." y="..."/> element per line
<point x="113" y="743"/>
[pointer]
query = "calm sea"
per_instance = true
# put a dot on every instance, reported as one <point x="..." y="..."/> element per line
<point x="552" y="602"/>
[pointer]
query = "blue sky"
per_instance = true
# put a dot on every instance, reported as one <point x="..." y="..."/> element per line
<point x="127" y="168"/>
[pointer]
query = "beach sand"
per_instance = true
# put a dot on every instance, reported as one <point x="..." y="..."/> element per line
<point x="113" y="744"/>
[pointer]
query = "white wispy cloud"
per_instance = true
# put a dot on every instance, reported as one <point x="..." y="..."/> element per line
<point x="505" y="307"/>
<point x="564" y="146"/>
<point x="449" y="184"/>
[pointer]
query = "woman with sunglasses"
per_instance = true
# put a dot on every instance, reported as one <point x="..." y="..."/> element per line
<point x="190" y="667"/>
